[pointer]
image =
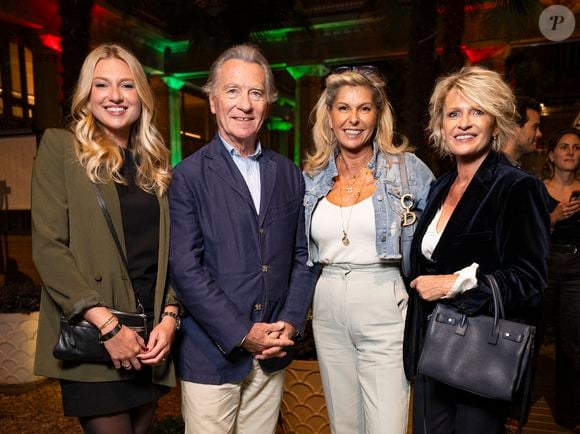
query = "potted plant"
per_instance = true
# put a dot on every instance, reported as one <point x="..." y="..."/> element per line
<point x="19" y="304"/>
<point x="303" y="408"/>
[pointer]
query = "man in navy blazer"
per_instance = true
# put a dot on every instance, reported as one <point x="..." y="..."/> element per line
<point x="237" y="258"/>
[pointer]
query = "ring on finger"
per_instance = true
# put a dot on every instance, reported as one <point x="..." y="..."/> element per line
<point x="126" y="365"/>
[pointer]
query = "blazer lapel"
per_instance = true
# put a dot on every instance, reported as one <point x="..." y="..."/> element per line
<point x="268" y="170"/>
<point x="467" y="207"/>
<point x="435" y="199"/>
<point x="224" y="167"/>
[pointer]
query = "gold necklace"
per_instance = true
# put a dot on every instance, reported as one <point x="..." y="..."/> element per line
<point x="348" y="188"/>
<point x="345" y="240"/>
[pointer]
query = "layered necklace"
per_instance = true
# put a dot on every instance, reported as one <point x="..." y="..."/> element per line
<point x="349" y="189"/>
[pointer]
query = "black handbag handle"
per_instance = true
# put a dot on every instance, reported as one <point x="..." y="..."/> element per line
<point x="498" y="310"/>
<point x="497" y="300"/>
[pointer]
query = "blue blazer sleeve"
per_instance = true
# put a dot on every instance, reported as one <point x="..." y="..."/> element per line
<point x="197" y="290"/>
<point x="302" y="278"/>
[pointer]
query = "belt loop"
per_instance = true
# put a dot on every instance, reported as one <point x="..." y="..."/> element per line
<point x="349" y="269"/>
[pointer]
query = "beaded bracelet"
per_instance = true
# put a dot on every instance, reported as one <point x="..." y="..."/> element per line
<point x="112" y="333"/>
<point x="106" y="323"/>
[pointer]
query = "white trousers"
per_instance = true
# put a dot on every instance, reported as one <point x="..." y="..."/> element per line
<point x="249" y="407"/>
<point x="358" y="321"/>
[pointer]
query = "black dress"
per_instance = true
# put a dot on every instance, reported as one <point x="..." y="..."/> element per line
<point x="563" y="293"/>
<point x="140" y="213"/>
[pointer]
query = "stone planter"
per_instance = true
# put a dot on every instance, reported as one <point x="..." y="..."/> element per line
<point x="17" y="348"/>
<point x="303" y="409"/>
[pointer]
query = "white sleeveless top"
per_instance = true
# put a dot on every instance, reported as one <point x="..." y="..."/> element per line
<point x="326" y="232"/>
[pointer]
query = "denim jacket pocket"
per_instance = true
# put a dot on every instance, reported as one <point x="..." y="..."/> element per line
<point x="393" y="194"/>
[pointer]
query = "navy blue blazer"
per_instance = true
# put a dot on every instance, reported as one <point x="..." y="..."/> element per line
<point x="502" y="222"/>
<point x="231" y="266"/>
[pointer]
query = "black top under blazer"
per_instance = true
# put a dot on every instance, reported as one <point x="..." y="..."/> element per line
<point x="502" y="223"/>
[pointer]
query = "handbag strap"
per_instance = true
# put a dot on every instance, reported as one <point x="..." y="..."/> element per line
<point x="113" y="232"/>
<point x="406" y="230"/>
<point x="497" y="300"/>
<point x="403" y="171"/>
<point x="111" y="227"/>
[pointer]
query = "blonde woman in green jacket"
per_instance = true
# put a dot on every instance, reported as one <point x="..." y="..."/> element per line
<point x="113" y="144"/>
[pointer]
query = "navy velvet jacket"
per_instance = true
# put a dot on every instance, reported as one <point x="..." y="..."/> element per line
<point x="231" y="266"/>
<point x="502" y="222"/>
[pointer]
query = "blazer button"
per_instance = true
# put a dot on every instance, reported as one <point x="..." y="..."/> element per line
<point x="261" y="230"/>
<point x="98" y="277"/>
<point x="383" y="238"/>
<point x="380" y="197"/>
<point x="265" y="268"/>
<point x="258" y="306"/>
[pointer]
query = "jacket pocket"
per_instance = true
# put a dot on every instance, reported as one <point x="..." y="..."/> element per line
<point x="284" y="210"/>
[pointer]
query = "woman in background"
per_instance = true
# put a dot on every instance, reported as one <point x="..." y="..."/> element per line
<point x="113" y="144"/>
<point x="483" y="217"/>
<point x="562" y="179"/>
<point x="354" y="211"/>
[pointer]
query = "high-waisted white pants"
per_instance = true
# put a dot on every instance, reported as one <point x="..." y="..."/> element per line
<point x="358" y="321"/>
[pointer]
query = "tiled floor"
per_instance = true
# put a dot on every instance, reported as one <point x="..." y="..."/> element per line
<point x="39" y="410"/>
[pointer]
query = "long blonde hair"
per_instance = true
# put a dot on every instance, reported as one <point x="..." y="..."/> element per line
<point x="483" y="87"/>
<point x="325" y="142"/>
<point x="96" y="152"/>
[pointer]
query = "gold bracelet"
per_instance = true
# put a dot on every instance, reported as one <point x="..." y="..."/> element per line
<point x="109" y="321"/>
<point x="111" y="333"/>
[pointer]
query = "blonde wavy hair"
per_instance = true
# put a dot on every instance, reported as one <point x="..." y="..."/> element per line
<point x="97" y="153"/>
<point x="484" y="88"/>
<point x="325" y="142"/>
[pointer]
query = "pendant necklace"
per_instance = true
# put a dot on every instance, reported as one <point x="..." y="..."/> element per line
<point x="348" y="188"/>
<point x="345" y="240"/>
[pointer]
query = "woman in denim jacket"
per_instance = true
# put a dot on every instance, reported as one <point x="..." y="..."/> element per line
<point x="354" y="213"/>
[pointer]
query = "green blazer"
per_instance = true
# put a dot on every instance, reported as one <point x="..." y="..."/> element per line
<point x="77" y="260"/>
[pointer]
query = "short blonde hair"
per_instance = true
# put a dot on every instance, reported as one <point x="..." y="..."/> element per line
<point x="325" y="142"/>
<point x="97" y="153"/>
<point x="487" y="90"/>
<point x="247" y="53"/>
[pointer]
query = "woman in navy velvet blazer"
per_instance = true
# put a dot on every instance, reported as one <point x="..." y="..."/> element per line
<point x="483" y="217"/>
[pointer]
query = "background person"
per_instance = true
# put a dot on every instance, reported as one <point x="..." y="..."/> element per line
<point x="112" y="143"/>
<point x="562" y="179"/>
<point x="482" y="218"/>
<point x="238" y="258"/>
<point x="528" y="132"/>
<point x="353" y="223"/>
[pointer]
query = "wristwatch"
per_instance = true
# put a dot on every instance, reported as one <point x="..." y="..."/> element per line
<point x="175" y="316"/>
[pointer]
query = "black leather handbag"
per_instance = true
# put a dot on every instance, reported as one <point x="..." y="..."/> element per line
<point x="79" y="341"/>
<point x="485" y="355"/>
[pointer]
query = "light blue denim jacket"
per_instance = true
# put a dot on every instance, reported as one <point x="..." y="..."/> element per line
<point x="386" y="199"/>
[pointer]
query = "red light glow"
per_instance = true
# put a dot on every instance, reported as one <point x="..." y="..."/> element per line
<point x="476" y="55"/>
<point x="51" y="41"/>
